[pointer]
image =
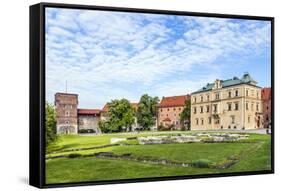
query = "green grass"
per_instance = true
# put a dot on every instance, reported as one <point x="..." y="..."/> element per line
<point x="253" y="154"/>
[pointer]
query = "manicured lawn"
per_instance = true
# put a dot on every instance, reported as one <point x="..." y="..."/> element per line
<point x="253" y="154"/>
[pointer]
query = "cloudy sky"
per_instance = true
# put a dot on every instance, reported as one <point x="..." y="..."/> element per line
<point x="110" y="55"/>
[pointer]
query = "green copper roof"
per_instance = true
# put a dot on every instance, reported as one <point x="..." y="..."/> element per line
<point x="246" y="79"/>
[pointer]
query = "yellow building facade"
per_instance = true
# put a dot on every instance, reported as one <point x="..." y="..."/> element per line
<point x="227" y="104"/>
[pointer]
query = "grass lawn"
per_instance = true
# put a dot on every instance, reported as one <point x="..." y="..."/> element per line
<point x="253" y="154"/>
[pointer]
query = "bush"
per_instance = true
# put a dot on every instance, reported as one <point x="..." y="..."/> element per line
<point x="86" y="131"/>
<point x="201" y="163"/>
<point x="104" y="126"/>
<point x="74" y="155"/>
<point x="162" y="128"/>
<point x="207" y="139"/>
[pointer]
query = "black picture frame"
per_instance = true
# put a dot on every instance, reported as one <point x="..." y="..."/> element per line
<point x="37" y="93"/>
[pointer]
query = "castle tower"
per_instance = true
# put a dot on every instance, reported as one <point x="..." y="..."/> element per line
<point x="66" y="113"/>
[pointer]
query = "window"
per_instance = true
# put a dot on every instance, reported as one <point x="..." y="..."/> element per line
<point x="201" y="98"/>
<point x="257" y="107"/>
<point x="252" y="106"/>
<point x="202" y="121"/>
<point x="247" y="106"/>
<point x="210" y="120"/>
<point x="229" y="106"/>
<point x="168" y="109"/>
<point x="267" y="108"/>
<point x="201" y="109"/>
<point x="196" y="121"/>
<point x="215" y="108"/>
<point x="66" y="122"/>
<point x="232" y="119"/>
<point x="217" y="96"/>
<point x="194" y="99"/>
<point x="257" y="94"/>
<point x="247" y="93"/>
<point x="194" y="110"/>
<point x="179" y="108"/>
<point x="236" y="93"/>
<point x="229" y="94"/>
<point x="236" y="106"/>
<point x="161" y="110"/>
<point x="167" y="115"/>
<point x="174" y="109"/>
<point x="217" y="121"/>
<point x="207" y="108"/>
<point x="249" y="119"/>
<point x="208" y="97"/>
<point x="67" y="113"/>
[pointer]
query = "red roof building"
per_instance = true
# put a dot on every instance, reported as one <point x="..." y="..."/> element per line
<point x="174" y="101"/>
<point x="89" y="111"/>
<point x="169" y="111"/>
<point x="266" y="106"/>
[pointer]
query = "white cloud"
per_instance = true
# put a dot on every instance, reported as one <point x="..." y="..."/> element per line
<point x="105" y="55"/>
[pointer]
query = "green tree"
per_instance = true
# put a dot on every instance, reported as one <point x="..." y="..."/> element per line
<point x="50" y="124"/>
<point x="147" y="111"/>
<point x="185" y="115"/>
<point x="121" y="115"/>
<point x="104" y="126"/>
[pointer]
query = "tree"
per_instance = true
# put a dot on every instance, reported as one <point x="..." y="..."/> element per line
<point x="121" y="115"/>
<point x="185" y="115"/>
<point x="147" y="111"/>
<point x="104" y="126"/>
<point x="50" y="124"/>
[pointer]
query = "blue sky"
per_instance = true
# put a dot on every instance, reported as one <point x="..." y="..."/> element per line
<point x="112" y="55"/>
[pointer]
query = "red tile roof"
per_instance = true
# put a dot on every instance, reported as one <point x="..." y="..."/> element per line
<point x="266" y="93"/>
<point x="88" y="111"/>
<point x="173" y="101"/>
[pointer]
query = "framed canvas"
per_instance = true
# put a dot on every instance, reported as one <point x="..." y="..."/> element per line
<point x="122" y="95"/>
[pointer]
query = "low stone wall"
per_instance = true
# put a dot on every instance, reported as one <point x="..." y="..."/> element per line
<point x="183" y="138"/>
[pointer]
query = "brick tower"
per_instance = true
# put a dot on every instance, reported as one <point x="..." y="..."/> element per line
<point x="66" y="113"/>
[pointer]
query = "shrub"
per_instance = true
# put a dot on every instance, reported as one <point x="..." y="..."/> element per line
<point x="86" y="131"/>
<point x="131" y="138"/>
<point x="74" y="155"/>
<point x="163" y="128"/>
<point x="201" y="163"/>
<point x="207" y="139"/>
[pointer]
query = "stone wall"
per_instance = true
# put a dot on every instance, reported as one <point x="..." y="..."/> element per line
<point x="87" y="122"/>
